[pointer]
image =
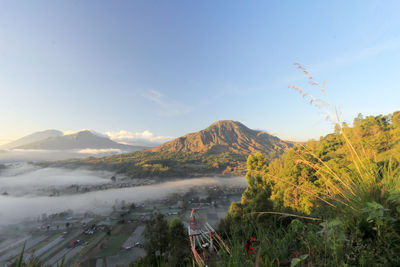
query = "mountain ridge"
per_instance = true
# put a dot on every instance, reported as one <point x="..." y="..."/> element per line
<point x="84" y="139"/>
<point x="226" y="136"/>
<point x="31" y="138"/>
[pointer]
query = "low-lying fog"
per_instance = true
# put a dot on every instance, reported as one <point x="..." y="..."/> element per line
<point x="21" y="155"/>
<point x="22" y="181"/>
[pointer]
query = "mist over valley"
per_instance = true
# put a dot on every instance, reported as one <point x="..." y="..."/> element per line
<point x="29" y="188"/>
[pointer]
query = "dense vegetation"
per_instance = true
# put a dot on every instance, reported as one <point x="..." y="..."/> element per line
<point x="167" y="244"/>
<point x="332" y="202"/>
<point x="144" y="164"/>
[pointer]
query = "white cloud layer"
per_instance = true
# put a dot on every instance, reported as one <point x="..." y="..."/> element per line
<point x="145" y="138"/>
<point x="104" y="151"/>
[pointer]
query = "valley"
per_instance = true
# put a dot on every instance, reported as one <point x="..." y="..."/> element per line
<point x="110" y="233"/>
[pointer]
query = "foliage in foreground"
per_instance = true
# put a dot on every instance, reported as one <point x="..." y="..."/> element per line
<point x="332" y="202"/>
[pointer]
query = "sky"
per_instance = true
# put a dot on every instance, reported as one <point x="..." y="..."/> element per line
<point x="166" y="68"/>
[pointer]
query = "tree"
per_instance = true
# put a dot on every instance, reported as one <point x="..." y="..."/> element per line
<point x="178" y="242"/>
<point x="396" y="119"/>
<point x="132" y="206"/>
<point x="256" y="197"/>
<point x="156" y="235"/>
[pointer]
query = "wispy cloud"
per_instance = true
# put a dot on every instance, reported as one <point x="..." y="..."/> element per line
<point x="338" y="62"/>
<point x="357" y="56"/>
<point x="167" y="106"/>
<point x="145" y="138"/>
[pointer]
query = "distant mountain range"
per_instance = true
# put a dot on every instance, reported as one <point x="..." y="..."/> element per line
<point x="226" y="136"/>
<point x="221" y="148"/>
<point x="56" y="140"/>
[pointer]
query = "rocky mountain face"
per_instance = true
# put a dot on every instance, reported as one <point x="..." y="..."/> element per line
<point x="226" y="136"/>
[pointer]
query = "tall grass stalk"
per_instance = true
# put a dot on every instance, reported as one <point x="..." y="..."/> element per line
<point x="351" y="190"/>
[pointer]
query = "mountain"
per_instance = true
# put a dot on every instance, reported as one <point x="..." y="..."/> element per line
<point x="226" y="136"/>
<point x="222" y="148"/>
<point x="35" y="137"/>
<point x="80" y="140"/>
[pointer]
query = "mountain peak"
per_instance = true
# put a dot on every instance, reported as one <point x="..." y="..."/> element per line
<point x="83" y="139"/>
<point x="84" y="133"/>
<point x="226" y="136"/>
<point x="50" y="131"/>
<point x="226" y="124"/>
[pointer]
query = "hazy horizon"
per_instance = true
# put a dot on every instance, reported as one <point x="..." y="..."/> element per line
<point x="145" y="138"/>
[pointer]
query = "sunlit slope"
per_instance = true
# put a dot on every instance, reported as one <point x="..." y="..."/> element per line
<point x="226" y="136"/>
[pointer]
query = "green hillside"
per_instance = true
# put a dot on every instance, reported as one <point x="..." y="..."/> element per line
<point x="332" y="202"/>
<point x="144" y="164"/>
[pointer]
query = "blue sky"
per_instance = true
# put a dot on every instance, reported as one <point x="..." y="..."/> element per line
<point x="173" y="67"/>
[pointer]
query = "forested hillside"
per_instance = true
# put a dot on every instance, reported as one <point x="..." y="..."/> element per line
<point x="307" y="168"/>
<point x="332" y="202"/>
<point x="144" y="164"/>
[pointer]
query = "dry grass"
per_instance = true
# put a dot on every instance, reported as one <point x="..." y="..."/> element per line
<point x="350" y="190"/>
